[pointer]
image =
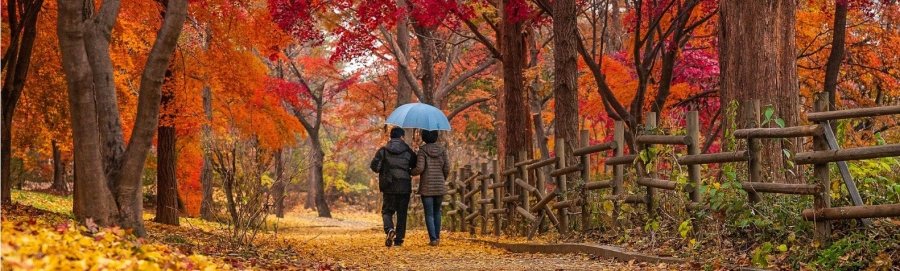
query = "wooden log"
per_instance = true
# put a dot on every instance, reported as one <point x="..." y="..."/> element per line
<point x="657" y="183"/>
<point x="523" y="194"/>
<point x="822" y="200"/>
<point x="585" y="159"/>
<point x="509" y="199"/>
<point x="460" y="205"/>
<point x="543" y="202"/>
<point x="475" y="175"/>
<point x="595" y="148"/>
<point x="451" y="212"/>
<point x="597" y="185"/>
<point x="495" y="167"/>
<point x="561" y="185"/>
<point x="621" y="160"/>
<point x="618" y="169"/>
<point x="693" y="131"/>
<point x="565" y="170"/>
<point x="649" y="197"/>
<point x="485" y="176"/>
<point x="543" y="163"/>
<point x="714" y="158"/>
<point x="496" y="185"/>
<point x="472" y="216"/>
<point x="781" y="188"/>
<point x="786" y="132"/>
<point x="526" y="186"/>
<point x="497" y="211"/>
<point x="562" y="204"/>
<point x="663" y="139"/>
<point x="485" y="201"/>
<point x="526" y="214"/>
<point x="852" y="212"/>
<point x="510" y="171"/>
<point x="754" y="147"/>
<point x="451" y="191"/>
<point x="526" y="162"/>
<point x="853" y="113"/>
<point x="861" y="153"/>
<point x="471" y="192"/>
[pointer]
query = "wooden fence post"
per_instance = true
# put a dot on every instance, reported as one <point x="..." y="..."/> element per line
<point x="561" y="186"/>
<point x="693" y="131"/>
<point x="820" y="171"/>
<point x="484" y="195"/>
<point x="498" y="194"/>
<point x="523" y="194"/>
<point x="650" y="125"/>
<point x="510" y="188"/>
<point x="585" y="177"/>
<point x="618" y="170"/>
<point x="751" y="113"/>
<point x="461" y="191"/>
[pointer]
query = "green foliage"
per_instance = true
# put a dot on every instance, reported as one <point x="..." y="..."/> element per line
<point x="855" y="251"/>
<point x="47" y="202"/>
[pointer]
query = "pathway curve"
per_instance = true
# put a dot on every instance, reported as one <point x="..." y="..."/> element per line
<point x="355" y="240"/>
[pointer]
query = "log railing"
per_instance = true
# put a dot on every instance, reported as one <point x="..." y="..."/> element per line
<point x="514" y="199"/>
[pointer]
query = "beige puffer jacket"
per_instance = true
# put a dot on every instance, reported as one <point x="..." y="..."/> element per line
<point x="434" y="166"/>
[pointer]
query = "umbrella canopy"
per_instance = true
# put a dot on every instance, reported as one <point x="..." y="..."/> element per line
<point x="419" y="115"/>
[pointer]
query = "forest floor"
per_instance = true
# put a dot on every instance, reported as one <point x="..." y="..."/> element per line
<point x="39" y="234"/>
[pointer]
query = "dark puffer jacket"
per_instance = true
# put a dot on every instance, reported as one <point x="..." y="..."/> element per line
<point x="393" y="163"/>
<point x="434" y="166"/>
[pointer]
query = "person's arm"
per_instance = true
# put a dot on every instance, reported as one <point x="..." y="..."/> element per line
<point x="377" y="161"/>
<point x="419" y="166"/>
<point x="446" y="166"/>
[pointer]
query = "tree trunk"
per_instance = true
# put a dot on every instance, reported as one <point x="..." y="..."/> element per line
<point x="565" y="69"/>
<point x="614" y="35"/>
<point x="109" y="192"/>
<point x="279" y="185"/>
<point x="207" y="205"/>
<point x="833" y="66"/>
<point x="59" y="170"/>
<point x="515" y="129"/>
<point x="404" y="89"/>
<point x="166" y="184"/>
<point x="17" y="61"/>
<point x="767" y="71"/>
<point x="318" y="158"/>
<point x="426" y="56"/>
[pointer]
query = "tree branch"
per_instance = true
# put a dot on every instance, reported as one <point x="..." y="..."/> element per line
<point x="465" y="106"/>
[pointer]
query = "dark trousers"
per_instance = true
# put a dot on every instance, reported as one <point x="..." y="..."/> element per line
<point x="395" y="204"/>
<point x="432" y="206"/>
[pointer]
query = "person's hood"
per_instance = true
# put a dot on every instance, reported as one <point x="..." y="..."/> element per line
<point x="397" y="146"/>
<point x="433" y="150"/>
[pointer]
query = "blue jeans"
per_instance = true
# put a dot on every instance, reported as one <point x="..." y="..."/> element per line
<point x="432" y="206"/>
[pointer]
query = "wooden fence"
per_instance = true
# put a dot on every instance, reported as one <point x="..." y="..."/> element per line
<point x="515" y="199"/>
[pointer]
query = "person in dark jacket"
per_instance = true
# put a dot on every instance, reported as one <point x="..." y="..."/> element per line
<point x="393" y="163"/>
<point x="433" y="165"/>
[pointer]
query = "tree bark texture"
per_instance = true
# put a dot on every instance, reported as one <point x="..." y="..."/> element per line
<point x="757" y="61"/>
<point x="316" y="178"/>
<point x="16" y="61"/>
<point x="836" y="56"/>
<point x="404" y="89"/>
<point x="166" y="184"/>
<point x="59" y="170"/>
<point x="108" y="191"/>
<point x="565" y="69"/>
<point x="279" y="185"/>
<point x="515" y="129"/>
<point x="207" y="205"/>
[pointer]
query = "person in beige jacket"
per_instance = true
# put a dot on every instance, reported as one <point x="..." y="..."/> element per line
<point x="433" y="166"/>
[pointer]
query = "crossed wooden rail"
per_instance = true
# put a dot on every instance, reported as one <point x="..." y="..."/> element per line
<point x="515" y="199"/>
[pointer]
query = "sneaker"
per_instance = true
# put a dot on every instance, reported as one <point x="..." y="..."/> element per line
<point x="398" y="243"/>
<point x="433" y="243"/>
<point x="389" y="241"/>
<point x="437" y="242"/>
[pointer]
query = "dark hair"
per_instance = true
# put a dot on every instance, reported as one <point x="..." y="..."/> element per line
<point x="429" y="136"/>
<point x="397" y="132"/>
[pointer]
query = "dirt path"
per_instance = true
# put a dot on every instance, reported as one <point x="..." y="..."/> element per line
<point x="355" y="240"/>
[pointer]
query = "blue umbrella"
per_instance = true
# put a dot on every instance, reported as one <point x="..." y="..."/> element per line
<point x="419" y="115"/>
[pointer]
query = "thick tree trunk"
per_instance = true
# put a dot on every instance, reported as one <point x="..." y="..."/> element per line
<point x="614" y="35"/>
<point x="515" y="129"/>
<point x="404" y="89"/>
<point x="207" y="205"/>
<point x="166" y="184"/>
<point x="105" y="195"/>
<point x="279" y="185"/>
<point x="565" y="69"/>
<point x="426" y="56"/>
<point x="318" y="158"/>
<point x="833" y="66"/>
<point x="17" y="61"/>
<point x="767" y="71"/>
<point x="59" y="170"/>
